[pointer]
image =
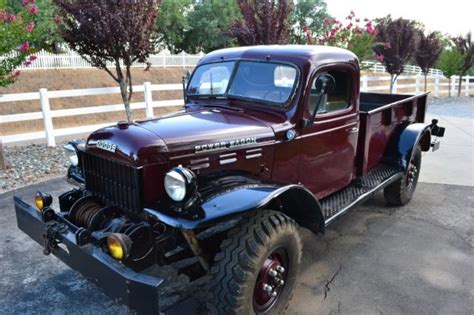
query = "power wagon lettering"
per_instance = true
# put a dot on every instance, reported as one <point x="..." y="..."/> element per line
<point x="225" y="144"/>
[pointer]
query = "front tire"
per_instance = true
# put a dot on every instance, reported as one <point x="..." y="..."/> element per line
<point x="400" y="192"/>
<point x="256" y="270"/>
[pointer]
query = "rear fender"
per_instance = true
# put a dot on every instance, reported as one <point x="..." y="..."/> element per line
<point x="410" y="137"/>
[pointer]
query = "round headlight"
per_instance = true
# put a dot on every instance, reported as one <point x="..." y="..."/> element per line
<point x="179" y="183"/>
<point x="71" y="154"/>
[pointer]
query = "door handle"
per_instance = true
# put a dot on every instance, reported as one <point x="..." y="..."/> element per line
<point x="353" y="130"/>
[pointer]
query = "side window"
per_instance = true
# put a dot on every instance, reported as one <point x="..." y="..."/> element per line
<point x="338" y="99"/>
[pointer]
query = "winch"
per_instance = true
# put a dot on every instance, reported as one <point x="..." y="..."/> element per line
<point x="136" y="237"/>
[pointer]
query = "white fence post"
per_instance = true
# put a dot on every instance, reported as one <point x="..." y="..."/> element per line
<point x="48" y="121"/>
<point x="148" y="99"/>
<point x="436" y="86"/>
<point x="466" y="91"/>
<point x="417" y="84"/>
<point x="365" y="83"/>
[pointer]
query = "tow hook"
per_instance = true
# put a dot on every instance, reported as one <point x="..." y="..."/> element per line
<point x="52" y="236"/>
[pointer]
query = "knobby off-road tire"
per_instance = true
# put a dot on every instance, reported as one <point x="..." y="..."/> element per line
<point x="251" y="253"/>
<point x="400" y="192"/>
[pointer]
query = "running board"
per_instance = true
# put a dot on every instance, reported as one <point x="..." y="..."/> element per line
<point x="358" y="191"/>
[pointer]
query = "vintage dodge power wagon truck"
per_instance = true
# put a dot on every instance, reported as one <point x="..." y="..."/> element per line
<point x="270" y="138"/>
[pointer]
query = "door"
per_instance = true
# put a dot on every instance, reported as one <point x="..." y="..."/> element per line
<point x="329" y="143"/>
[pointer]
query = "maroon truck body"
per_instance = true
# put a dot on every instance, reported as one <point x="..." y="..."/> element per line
<point x="234" y="157"/>
<point x="328" y="146"/>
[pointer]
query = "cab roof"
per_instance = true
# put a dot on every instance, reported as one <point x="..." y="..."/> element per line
<point x="301" y="55"/>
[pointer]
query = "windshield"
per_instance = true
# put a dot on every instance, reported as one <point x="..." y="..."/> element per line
<point x="262" y="81"/>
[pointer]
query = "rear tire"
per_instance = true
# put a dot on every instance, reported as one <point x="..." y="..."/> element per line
<point x="263" y="251"/>
<point x="400" y="192"/>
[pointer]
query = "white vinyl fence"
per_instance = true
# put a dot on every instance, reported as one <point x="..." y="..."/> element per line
<point x="47" y="115"/>
<point x="71" y="60"/>
<point x="368" y="84"/>
<point x="378" y="67"/>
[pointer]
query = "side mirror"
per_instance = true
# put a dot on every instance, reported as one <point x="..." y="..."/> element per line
<point x="186" y="77"/>
<point x="325" y="84"/>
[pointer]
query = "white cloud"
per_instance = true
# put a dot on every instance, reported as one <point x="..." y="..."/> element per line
<point x="454" y="16"/>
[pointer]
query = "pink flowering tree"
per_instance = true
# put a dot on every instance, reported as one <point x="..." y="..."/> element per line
<point x="395" y="44"/>
<point x="15" y="34"/>
<point x="354" y="34"/>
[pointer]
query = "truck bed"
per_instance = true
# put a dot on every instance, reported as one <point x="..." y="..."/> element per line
<point x="380" y="117"/>
<point x="373" y="101"/>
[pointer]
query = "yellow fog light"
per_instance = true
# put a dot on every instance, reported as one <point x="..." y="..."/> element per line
<point x="119" y="245"/>
<point x="42" y="200"/>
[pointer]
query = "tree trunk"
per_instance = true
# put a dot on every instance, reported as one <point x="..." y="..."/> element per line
<point x="126" y="98"/>
<point x="3" y="165"/>
<point x="426" y="75"/>
<point x="392" y="83"/>
<point x="460" y="85"/>
<point x="449" y="87"/>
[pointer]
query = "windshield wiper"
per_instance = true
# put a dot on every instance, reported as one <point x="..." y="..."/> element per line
<point x="222" y="106"/>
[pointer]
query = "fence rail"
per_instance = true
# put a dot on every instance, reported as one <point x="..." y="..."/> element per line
<point x="47" y="115"/>
<point x="408" y="69"/>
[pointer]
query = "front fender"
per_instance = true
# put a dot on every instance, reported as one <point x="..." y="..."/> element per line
<point x="294" y="200"/>
<point x="410" y="137"/>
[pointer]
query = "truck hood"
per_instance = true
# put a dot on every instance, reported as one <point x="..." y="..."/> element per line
<point x="187" y="132"/>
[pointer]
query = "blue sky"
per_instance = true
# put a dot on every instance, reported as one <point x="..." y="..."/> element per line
<point x="454" y="16"/>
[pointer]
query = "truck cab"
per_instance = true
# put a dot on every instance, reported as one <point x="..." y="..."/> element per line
<point x="270" y="138"/>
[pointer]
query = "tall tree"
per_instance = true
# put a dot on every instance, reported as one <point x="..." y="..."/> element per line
<point x="118" y="32"/>
<point x="16" y="28"/>
<point x="263" y="22"/>
<point x="46" y="34"/>
<point x="209" y="21"/>
<point x="396" y="43"/>
<point x="173" y="26"/>
<point x="449" y="62"/>
<point x="307" y="18"/>
<point x="465" y="46"/>
<point x="427" y="52"/>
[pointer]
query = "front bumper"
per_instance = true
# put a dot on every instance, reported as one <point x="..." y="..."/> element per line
<point x="138" y="291"/>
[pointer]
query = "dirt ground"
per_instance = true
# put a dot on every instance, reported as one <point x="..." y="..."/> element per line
<point x="33" y="80"/>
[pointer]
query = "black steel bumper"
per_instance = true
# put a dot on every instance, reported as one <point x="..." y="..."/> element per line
<point x="138" y="291"/>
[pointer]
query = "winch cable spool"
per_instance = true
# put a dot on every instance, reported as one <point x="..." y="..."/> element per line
<point x="85" y="210"/>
